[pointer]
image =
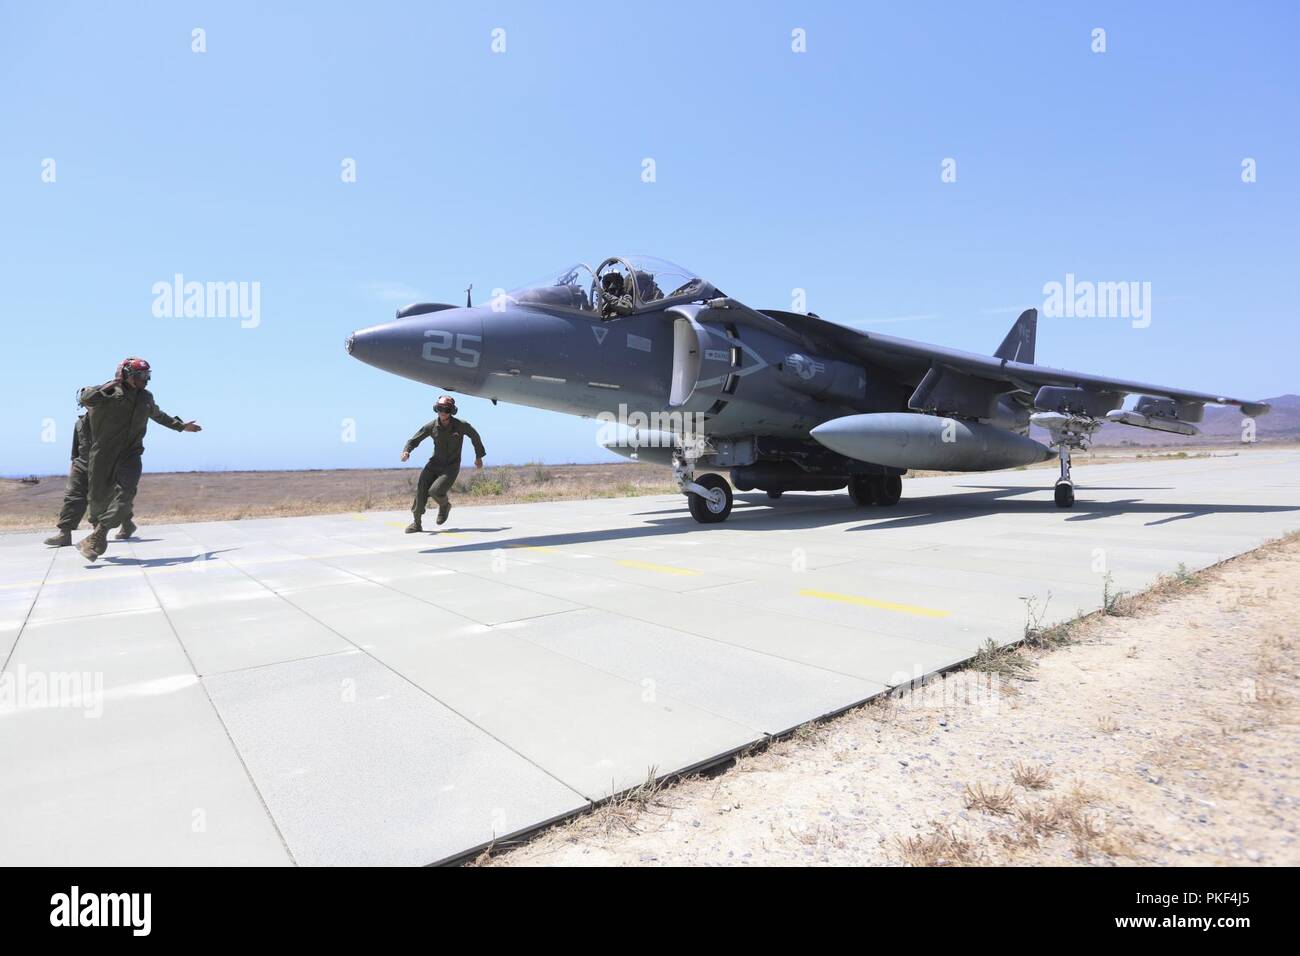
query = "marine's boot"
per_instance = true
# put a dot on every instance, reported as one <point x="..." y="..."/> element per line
<point x="60" y="540"/>
<point x="444" y="509"/>
<point x="414" y="527"/>
<point x="127" y="530"/>
<point x="95" y="543"/>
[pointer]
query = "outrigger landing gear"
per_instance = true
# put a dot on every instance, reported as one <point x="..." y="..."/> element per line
<point x="1064" y="486"/>
<point x="1068" y="432"/>
<point x="709" y="497"/>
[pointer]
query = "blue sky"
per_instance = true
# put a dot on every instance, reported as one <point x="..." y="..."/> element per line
<point x="775" y="170"/>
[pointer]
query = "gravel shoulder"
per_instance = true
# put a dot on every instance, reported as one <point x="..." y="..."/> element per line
<point x="1165" y="734"/>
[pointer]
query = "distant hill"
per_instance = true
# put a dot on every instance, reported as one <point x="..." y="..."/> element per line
<point x="1222" y="425"/>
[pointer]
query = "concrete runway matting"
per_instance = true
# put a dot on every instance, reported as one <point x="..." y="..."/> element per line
<point x="328" y="690"/>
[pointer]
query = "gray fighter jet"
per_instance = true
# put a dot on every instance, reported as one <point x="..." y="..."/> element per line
<point x="784" y="401"/>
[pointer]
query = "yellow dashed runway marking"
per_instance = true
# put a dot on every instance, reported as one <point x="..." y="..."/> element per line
<point x="873" y="602"/>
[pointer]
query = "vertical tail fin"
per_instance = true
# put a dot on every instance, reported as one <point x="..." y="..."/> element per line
<point x="1018" y="346"/>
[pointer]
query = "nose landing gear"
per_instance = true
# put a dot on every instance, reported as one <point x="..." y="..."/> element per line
<point x="715" y="504"/>
<point x="708" y="497"/>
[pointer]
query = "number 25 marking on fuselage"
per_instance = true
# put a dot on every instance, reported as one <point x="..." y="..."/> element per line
<point x="440" y="341"/>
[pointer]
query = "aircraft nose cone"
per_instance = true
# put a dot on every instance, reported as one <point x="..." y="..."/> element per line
<point x="442" y="348"/>
<point x="366" y="344"/>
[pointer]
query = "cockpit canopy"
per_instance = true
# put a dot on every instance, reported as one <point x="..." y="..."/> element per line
<point x="620" y="285"/>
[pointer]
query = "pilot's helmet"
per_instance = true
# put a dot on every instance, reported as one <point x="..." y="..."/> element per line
<point x="647" y="287"/>
<point x="136" y="369"/>
<point x="446" y="404"/>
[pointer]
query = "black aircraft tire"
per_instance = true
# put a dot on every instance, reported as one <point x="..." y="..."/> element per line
<point x="1064" y="495"/>
<point x="889" y="489"/>
<point x="700" y="509"/>
<point x="863" y="490"/>
<point x="775" y="493"/>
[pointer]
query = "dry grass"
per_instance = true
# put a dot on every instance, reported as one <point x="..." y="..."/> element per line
<point x="943" y="846"/>
<point x="1169" y="586"/>
<point x="989" y="799"/>
<point x="1045" y="637"/>
<point x="742" y="759"/>
<point x="622" y="811"/>
<point x="1075" y="816"/>
<point x="1113" y="603"/>
<point x="1031" y="776"/>
<point x="485" y="857"/>
<point x="1043" y="818"/>
<point x="1005" y="662"/>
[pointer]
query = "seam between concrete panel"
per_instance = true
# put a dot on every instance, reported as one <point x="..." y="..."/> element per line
<point x="220" y="720"/>
<point x="403" y="677"/>
<point x="31" y="607"/>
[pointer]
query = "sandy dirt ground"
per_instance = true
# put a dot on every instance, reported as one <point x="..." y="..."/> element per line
<point x="167" y="497"/>
<point x="1165" y="734"/>
<point x="224" y="496"/>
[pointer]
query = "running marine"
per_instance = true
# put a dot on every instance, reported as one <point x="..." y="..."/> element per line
<point x="439" y="473"/>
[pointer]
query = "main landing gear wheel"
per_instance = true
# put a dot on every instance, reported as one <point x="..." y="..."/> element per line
<point x="862" y="489"/>
<point x="889" y="489"/>
<point x="716" y="506"/>
<point x="1064" y="494"/>
<point x="875" y="489"/>
<point x="774" y="494"/>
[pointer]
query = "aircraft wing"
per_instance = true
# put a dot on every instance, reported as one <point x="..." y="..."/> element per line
<point x="908" y="362"/>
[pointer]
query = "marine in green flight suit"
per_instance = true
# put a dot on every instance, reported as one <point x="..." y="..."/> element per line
<point x="74" y="492"/>
<point x="118" y="413"/>
<point x="439" y="473"/>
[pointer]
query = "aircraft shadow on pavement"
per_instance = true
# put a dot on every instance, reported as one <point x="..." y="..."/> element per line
<point x="161" y="562"/>
<point x="758" y="513"/>
<point x="1030" y="489"/>
<point x="795" y="500"/>
<point x="454" y="530"/>
<point x="996" y="499"/>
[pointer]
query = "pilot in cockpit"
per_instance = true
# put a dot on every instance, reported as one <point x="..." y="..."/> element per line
<point x="647" y="288"/>
<point x="616" y="298"/>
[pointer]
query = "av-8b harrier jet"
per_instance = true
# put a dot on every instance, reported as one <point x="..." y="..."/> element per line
<point x="784" y="401"/>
